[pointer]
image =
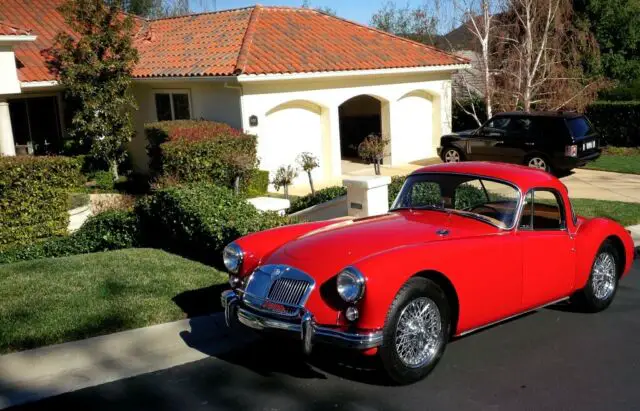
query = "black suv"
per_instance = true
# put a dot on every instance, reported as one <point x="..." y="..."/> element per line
<point x="551" y="141"/>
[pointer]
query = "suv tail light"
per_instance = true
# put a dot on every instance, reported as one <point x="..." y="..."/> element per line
<point x="571" y="151"/>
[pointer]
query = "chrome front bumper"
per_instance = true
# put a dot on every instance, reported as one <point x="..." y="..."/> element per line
<point x="304" y="327"/>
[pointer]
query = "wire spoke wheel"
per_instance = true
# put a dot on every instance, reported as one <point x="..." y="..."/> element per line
<point x="604" y="276"/>
<point x="537" y="162"/>
<point x="452" y="156"/>
<point x="418" y="336"/>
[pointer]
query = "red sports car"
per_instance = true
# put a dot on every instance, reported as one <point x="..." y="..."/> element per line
<point x="464" y="246"/>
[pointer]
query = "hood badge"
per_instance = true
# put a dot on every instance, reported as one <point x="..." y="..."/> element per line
<point x="442" y="232"/>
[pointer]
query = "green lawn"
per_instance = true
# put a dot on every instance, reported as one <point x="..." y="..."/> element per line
<point x="624" y="213"/>
<point x="55" y="300"/>
<point x="619" y="160"/>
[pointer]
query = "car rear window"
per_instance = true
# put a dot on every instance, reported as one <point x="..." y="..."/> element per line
<point x="579" y="126"/>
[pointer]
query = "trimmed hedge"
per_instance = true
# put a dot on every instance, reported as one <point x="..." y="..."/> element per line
<point x="190" y="151"/>
<point x="198" y="220"/>
<point x="258" y="183"/>
<point x="111" y="230"/>
<point x="321" y="196"/>
<point x="617" y="121"/>
<point x="33" y="197"/>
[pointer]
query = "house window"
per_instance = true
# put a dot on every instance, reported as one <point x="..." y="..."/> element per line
<point x="173" y="105"/>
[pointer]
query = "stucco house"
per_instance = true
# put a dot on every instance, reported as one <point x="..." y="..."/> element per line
<point x="299" y="79"/>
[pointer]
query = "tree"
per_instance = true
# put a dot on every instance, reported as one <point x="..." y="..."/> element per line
<point x="540" y="55"/>
<point x="284" y="178"/>
<point x="155" y="8"/>
<point x="418" y="24"/>
<point x="616" y="26"/>
<point x="372" y="149"/>
<point x="308" y="162"/>
<point x="478" y="17"/>
<point x="95" y="69"/>
<point x="323" y="9"/>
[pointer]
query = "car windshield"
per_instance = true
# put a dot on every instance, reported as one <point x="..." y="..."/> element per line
<point x="480" y="198"/>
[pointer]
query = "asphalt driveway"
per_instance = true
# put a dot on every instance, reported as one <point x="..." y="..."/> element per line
<point x="553" y="359"/>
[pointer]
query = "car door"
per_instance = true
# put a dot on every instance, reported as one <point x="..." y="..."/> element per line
<point x="548" y="250"/>
<point x="481" y="145"/>
<point x="518" y="138"/>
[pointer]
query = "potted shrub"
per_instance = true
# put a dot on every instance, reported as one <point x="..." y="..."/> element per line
<point x="308" y="162"/>
<point x="284" y="177"/>
<point x="372" y="150"/>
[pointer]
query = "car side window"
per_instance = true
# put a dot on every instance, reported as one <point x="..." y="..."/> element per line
<point x="542" y="211"/>
<point x="499" y="123"/>
<point x="519" y="127"/>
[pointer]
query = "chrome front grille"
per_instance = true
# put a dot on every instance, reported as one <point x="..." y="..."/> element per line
<point x="279" y="289"/>
<point x="288" y="291"/>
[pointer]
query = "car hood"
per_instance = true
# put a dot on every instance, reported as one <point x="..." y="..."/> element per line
<point x="463" y="133"/>
<point x="338" y="245"/>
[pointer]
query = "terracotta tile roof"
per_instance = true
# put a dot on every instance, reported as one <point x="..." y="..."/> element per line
<point x="254" y="40"/>
<point x="10" y="29"/>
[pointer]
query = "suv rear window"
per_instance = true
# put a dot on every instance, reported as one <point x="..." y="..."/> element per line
<point x="579" y="126"/>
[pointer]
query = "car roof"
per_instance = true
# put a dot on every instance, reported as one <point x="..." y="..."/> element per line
<point x="522" y="176"/>
<point x="556" y="114"/>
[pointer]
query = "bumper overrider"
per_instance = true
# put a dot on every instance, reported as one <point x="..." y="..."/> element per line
<point x="302" y="326"/>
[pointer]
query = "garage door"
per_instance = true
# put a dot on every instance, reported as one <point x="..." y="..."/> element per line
<point x="412" y="128"/>
<point x="291" y="129"/>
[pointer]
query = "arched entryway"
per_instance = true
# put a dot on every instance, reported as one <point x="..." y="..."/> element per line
<point x="360" y="116"/>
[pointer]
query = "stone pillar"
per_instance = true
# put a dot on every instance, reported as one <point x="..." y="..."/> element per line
<point x="367" y="195"/>
<point x="7" y="145"/>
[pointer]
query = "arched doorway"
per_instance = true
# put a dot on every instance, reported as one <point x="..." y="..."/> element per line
<point x="360" y="116"/>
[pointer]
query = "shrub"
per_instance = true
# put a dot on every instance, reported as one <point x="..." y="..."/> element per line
<point x="198" y="220"/>
<point x="104" y="180"/>
<point x="372" y="150"/>
<point x="617" y="121"/>
<point x="258" y="183"/>
<point x="34" y="198"/>
<point x="320" y="196"/>
<point x="284" y="178"/>
<point x="111" y="230"/>
<point x="200" y="151"/>
<point x="308" y="162"/>
<point x="394" y="187"/>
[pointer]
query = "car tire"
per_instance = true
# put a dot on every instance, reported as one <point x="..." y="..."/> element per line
<point x="423" y="301"/>
<point x="451" y="155"/>
<point x="538" y="162"/>
<point x="602" y="284"/>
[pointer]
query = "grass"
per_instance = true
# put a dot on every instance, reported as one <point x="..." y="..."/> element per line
<point x="619" y="160"/>
<point x="56" y="300"/>
<point x="624" y="213"/>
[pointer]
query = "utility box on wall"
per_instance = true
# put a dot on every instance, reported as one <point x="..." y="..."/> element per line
<point x="367" y="195"/>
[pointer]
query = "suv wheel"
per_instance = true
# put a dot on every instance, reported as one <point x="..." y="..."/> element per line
<point x="538" y="162"/>
<point x="452" y="155"/>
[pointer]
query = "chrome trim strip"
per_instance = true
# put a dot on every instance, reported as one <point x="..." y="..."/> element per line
<point x="511" y="316"/>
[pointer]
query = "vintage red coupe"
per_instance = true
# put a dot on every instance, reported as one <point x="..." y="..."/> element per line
<point x="464" y="246"/>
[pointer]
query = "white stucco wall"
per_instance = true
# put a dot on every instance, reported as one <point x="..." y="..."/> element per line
<point x="9" y="82"/>
<point x="416" y="111"/>
<point x="210" y="99"/>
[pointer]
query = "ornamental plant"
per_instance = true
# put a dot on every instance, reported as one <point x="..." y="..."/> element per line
<point x="94" y="66"/>
<point x="372" y="150"/>
<point x="308" y="162"/>
<point x="284" y="178"/>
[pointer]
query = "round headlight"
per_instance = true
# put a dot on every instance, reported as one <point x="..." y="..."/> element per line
<point x="350" y="284"/>
<point x="232" y="257"/>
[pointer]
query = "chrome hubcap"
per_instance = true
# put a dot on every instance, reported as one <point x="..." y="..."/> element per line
<point x="538" y="163"/>
<point x="452" y="156"/>
<point x="418" y="333"/>
<point x="604" y="276"/>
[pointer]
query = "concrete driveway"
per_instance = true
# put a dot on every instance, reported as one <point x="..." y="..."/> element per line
<point x="603" y="185"/>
